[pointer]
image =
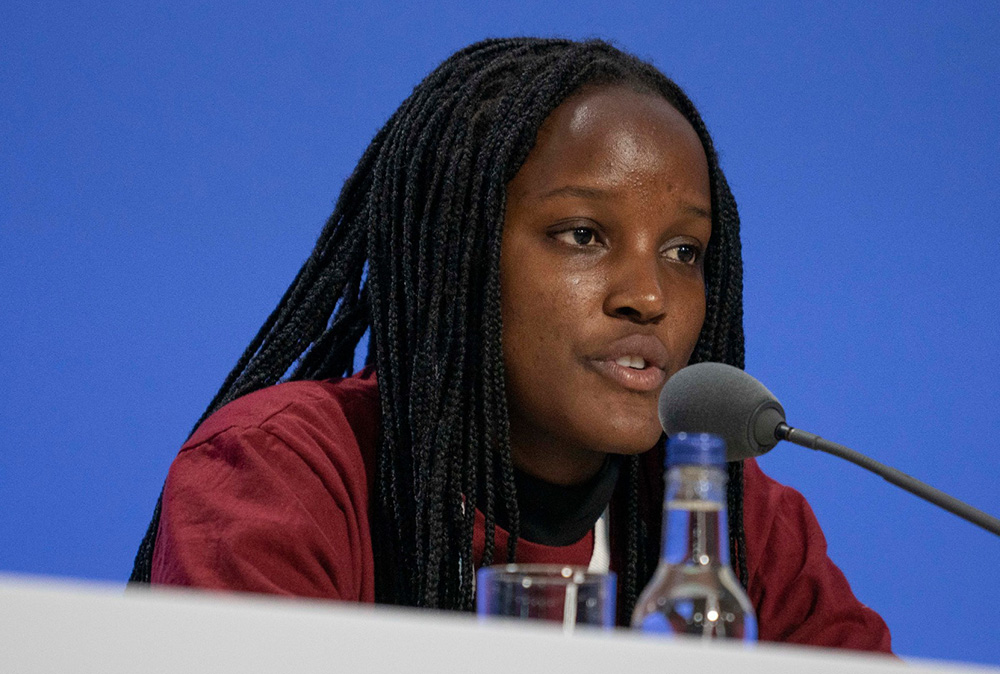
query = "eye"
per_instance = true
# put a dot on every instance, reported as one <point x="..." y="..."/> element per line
<point x="685" y="253"/>
<point x="578" y="236"/>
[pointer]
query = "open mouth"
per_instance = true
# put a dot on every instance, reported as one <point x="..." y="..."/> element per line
<point x="632" y="373"/>
<point x="634" y="362"/>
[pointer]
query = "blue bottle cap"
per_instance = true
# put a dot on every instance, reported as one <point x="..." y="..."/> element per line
<point x="696" y="449"/>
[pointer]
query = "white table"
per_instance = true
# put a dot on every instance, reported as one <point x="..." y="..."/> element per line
<point x="63" y="627"/>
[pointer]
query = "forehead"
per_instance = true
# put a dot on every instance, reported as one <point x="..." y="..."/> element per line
<point x="615" y="136"/>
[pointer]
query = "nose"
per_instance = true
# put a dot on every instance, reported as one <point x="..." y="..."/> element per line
<point x="636" y="291"/>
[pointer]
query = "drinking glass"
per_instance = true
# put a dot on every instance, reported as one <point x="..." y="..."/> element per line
<point x="570" y="595"/>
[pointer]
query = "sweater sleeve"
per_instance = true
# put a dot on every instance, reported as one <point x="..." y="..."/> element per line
<point x="270" y="496"/>
<point x="799" y="593"/>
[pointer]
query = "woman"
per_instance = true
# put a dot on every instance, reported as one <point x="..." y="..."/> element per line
<point x="536" y="240"/>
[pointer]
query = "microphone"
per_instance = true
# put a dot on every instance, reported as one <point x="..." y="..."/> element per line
<point x="726" y="401"/>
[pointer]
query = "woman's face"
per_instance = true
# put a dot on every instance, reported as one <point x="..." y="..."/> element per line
<point x="602" y="283"/>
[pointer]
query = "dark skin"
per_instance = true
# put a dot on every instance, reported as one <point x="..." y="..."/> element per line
<point x="602" y="279"/>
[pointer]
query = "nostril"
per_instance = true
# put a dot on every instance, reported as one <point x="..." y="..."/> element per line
<point x="631" y="314"/>
<point x="635" y="304"/>
<point x="628" y="312"/>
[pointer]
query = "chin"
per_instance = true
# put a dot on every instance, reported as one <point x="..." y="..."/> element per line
<point x="631" y="442"/>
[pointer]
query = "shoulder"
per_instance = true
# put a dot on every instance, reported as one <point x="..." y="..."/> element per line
<point x="270" y="494"/>
<point x="781" y="529"/>
<point x="320" y="422"/>
<point x="799" y="593"/>
<point x="353" y="398"/>
<point x="771" y="507"/>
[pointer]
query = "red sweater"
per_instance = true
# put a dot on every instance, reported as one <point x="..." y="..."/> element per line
<point x="271" y="495"/>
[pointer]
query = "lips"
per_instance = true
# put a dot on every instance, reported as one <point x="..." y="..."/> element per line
<point x="636" y="362"/>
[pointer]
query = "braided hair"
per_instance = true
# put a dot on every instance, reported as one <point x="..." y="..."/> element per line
<point x="411" y="254"/>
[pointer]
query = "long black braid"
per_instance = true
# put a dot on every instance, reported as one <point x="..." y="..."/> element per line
<point x="411" y="253"/>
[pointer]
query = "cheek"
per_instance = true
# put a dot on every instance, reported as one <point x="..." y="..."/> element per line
<point x="688" y="318"/>
<point x="540" y="317"/>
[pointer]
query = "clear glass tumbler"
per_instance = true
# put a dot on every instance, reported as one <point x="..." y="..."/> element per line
<point x="569" y="595"/>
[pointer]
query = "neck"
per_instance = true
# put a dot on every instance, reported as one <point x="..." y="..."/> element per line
<point x="558" y="515"/>
<point x="554" y="463"/>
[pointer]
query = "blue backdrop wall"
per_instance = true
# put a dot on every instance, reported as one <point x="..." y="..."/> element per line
<point x="167" y="166"/>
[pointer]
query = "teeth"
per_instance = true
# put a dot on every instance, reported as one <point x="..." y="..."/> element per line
<point x="634" y="362"/>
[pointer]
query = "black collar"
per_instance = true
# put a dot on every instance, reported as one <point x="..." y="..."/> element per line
<point x="559" y="515"/>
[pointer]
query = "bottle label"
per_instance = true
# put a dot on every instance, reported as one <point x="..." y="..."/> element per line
<point x="700" y="506"/>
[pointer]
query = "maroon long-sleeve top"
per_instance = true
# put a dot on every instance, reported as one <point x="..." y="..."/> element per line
<point x="271" y="494"/>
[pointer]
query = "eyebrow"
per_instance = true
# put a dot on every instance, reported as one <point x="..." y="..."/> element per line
<point x="698" y="211"/>
<point x="596" y="193"/>
<point x="577" y="191"/>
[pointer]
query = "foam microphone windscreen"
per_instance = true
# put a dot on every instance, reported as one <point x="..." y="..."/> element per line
<point x="724" y="400"/>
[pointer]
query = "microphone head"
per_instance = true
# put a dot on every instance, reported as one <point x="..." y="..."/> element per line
<point x="724" y="400"/>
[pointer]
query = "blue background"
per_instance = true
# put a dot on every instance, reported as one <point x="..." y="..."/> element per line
<point x="166" y="168"/>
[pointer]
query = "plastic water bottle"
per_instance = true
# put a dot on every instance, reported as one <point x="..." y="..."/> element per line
<point x="694" y="591"/>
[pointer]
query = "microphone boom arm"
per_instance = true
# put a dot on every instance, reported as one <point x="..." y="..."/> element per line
<point x="889" y="474"/>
